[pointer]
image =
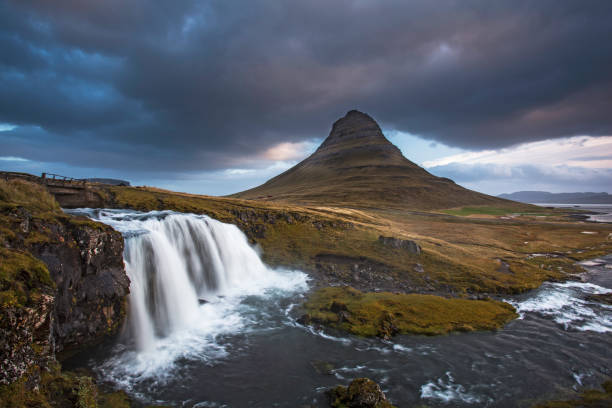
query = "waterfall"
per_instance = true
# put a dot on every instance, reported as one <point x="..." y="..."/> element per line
<point x="177" y="263"/>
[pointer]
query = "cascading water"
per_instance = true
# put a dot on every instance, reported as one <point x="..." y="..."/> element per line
<point x="189" y="274"/>
<point x="243" y="347"/>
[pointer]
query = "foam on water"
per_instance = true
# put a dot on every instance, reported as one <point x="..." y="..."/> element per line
<point x="244" y="344"/>
<point x="175" y="262"/>
<point x="568" y="305"/>
<point x="446" y="390"/>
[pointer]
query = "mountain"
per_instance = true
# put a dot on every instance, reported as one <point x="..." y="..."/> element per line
<point x="357" y="166"/>
<point x="544" y="197"/>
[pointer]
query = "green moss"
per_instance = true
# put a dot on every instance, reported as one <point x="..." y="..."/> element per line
<point x="478" y="210"/>
<point x="22" y="277"/>
<point x="586" y="399"/>
<point x="59" y="389"/>
<point x="118" y="399"/>
<point x="79" y="221"/>
<point x="385" y="314"/>
<point x="498" y="211"/>
<point x="360" y="392"/>
<point x="37" y="238"/>
<point x="87" y="393"/>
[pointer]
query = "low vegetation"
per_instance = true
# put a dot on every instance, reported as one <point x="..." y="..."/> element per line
<point x="479" y="210"/>
<point x="385" y="314"/>
<point x="22" y="278"/>
<point x="361" y="392"/>
<point x="586" y="399"/>
<point x="58" y="389"/>
<point x="20" y="193"/>
<point x="490" y="252"/>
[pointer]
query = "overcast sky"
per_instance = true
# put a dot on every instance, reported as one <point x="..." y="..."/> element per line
<point x="216" y="96"/>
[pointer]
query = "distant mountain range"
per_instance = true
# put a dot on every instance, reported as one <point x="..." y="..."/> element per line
<point x="545" y="197"/>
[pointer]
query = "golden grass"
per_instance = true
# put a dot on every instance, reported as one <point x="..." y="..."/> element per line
<point x="460" y="254"/>
<point x="15" y="193"/>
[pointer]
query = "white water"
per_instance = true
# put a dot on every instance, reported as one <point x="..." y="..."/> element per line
<point x="568" y="305"/>
<point x="189" y="276"/>
<point x="244" y="344"/>
<point x="446" y="390"/>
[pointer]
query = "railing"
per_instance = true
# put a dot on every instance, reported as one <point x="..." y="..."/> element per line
<point x="50" y="178"/>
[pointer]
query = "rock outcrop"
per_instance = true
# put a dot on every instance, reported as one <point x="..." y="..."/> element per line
<point x="25" y="323"/>
<point x="62" y="280"/>
<point x="361" y="393"/>
<point x="397" y="243"/>
<point x="86" y="264"/>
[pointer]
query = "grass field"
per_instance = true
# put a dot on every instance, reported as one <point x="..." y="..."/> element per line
<point x="462" y="252"/>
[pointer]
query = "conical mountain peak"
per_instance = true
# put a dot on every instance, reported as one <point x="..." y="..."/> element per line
<point x="355" y="126"/>
<point x="356" y="166"/>
<point x="356" y="140"/>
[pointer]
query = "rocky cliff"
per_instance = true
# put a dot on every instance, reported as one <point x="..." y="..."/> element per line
<point x="62" y="279"/>
<point x="85" y="261"/>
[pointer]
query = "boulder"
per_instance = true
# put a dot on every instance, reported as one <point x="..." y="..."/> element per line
<point x="398" y="243"/>
<point x="361" y="393"/>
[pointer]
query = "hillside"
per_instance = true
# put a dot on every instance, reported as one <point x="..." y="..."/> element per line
<point x="356" y="166"/>
<point x="544" y="197"/>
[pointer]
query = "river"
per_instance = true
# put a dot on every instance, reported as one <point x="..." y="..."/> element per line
<point x="211" y="326"/>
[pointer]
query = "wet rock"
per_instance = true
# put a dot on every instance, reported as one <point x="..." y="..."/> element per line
<point x="479" y="297"/>
<point x="398" y="243"/>
<point x="338" y="307"/>
<point x="387" y="328"/>
<point x="344" y="316"/>
<point x="359" y="272"/>
<point x="361" y="393"/>
<point x="24" y="338"/>
<point x="600" y="298"/>
<point x="92" y="286"/>
<point x="323" y="367"/>
<point x="304" y="320"/>
<point x="504" y="267"/>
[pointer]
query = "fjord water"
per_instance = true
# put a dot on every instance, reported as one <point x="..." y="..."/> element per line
<point x="211" y="326"/>
<point x="598" y="212"/>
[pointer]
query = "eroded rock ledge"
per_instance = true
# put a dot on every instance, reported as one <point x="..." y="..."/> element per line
<point x="398" y="243"/>
<point x="62" y="280"/>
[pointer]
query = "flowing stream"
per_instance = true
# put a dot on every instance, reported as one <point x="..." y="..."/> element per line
<point x="210" y="325"/>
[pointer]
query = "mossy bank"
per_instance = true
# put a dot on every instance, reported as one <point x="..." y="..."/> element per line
<point x="62" y="285"/>
<point x="590" y="398"/>
<point x="386" y="314"/>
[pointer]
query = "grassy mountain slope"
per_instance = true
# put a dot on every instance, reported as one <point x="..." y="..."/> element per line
<point x="356" y="166"/>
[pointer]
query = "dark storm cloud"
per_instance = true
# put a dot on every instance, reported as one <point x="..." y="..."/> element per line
<point x="201" y="85"/>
